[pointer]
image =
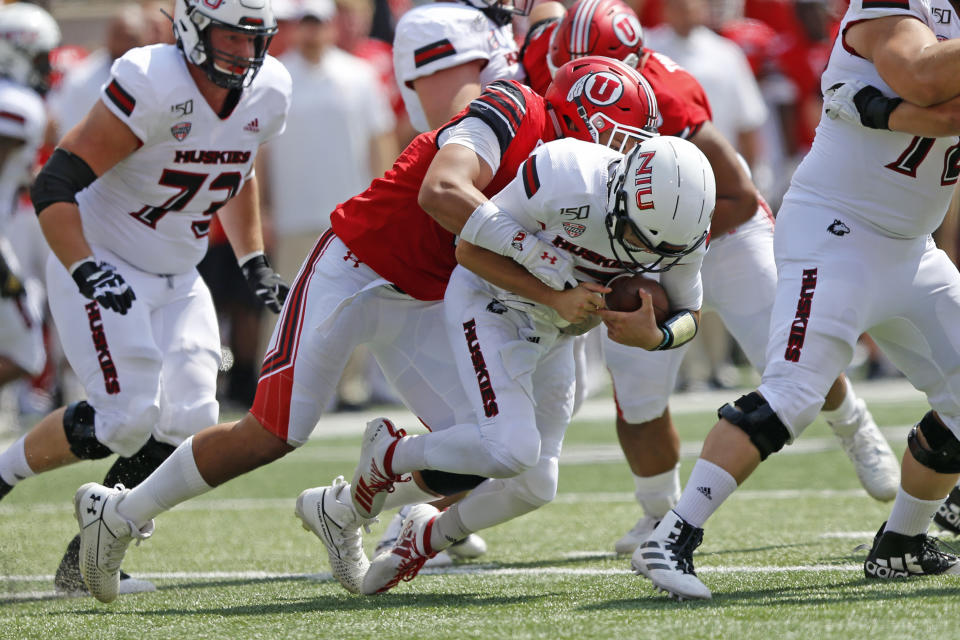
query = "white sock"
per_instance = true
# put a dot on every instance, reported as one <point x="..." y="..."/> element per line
<point x="405" y="493"/>
<point x="448" y="528"/>
<point x="708" y="487"/>
<point x="845" y="419"/>
<point x="911" y="516"/>
<point x="658" y="494"/>
<point x="13" y="464"/>
<point x="173" y="482"/>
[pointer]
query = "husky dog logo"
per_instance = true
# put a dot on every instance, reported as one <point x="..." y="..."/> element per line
<point x="837" y="228"/>
<point x="180" y="130"/>
<point x="573" y="229"/>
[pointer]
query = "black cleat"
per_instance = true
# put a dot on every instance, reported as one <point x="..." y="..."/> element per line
<point x="4" y="488"/>
<point x="895" y="555"/>
<point x="948" y="515"/>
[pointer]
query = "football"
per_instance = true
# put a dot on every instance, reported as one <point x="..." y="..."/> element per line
<point x="625" y="296"/>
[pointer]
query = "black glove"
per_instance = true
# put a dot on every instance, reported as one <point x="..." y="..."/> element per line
<point x="265" y="283"/>
<point x="101" y="282"/>
<point x="874" y="107"/>
<point x="10" y="284"/>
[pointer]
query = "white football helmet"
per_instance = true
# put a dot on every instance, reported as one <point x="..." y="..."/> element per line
<point x="664" y="191"/>
<point x="27" y="34"/>
<point x="192" y="20"/>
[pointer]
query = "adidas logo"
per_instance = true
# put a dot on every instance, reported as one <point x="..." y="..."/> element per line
<point x="706" y="492"/>
<point x="253" y="126"/>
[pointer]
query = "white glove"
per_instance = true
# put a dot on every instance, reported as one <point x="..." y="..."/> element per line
<point x="838" y="101"/>
<point x="550" y="265"/>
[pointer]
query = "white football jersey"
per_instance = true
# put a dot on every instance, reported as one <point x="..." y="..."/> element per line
<point x="22" y="117"/>
<point x="440" y="35"/>
<point x="896" y="182"/>
<point x="154" y="207"/>
<point x="560" y="193"/>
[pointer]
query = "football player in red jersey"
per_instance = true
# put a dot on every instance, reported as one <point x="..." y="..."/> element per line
<point x="739" y="274"/>
<point x="378" y="277"/>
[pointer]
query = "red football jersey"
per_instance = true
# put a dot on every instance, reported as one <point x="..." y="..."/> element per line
<point x="386" y="228"/>
<point x="533" y="55"/>
<point x="683" y="104"/>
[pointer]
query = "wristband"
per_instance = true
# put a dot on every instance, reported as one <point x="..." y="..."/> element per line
<point x="678" y="330"/>
<point x="489" y="228"/>
<point x="76" y="265"/>
<point x="242" y="260"/>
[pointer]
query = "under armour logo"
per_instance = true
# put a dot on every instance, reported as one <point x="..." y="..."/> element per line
<point x="837" y="228"/>
<point x="706" y="492"/>
<point x="350" y="256"/>
<point x="497" y="307"/>
<point x="93" y="504"/>
<point x="551" y="259"/>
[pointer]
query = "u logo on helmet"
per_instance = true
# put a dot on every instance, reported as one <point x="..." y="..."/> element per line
<point x="603" y="88"/>
<point x="627" y="29"/>
<point x="213" y="4"/>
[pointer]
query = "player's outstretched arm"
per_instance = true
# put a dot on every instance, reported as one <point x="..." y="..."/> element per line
<point x="909" y="58"/>
<point x="451" y="190"/>
<point x="573" y="305"/>
<point x="736" y="194"/>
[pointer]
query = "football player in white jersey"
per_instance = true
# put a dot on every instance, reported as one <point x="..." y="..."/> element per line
<point x="854" y="254"/>
<point x="27" y="35"/>
<point x="125" y="203"/>
<point x="651" y="211"/>
<point x="445" y="53"/>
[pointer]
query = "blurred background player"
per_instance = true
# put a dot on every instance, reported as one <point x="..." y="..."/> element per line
<point x="444" y="53"/>
<point x="739" y="273"/>
<point x="126" y="207"/>
<point x="27" y="35"/>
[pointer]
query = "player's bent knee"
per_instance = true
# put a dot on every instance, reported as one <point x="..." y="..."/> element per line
<point x="78" y="426"/>
<point x="538" y="485"/>
<point x="757" y="419"/>
<point x="445" y="483"/>
<point x="941" y="453"/>
<point x="190" y="420"/>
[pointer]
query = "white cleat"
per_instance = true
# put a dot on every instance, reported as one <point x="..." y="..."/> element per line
<point x="328" y="512"/>
<point x="104" y="538"/>
<point x="374" y="478"/>
<point x="875" y="463"/>
<point x="408" y="555"/>
<point x="640" y="532"/>
<point x="666" y="558"/>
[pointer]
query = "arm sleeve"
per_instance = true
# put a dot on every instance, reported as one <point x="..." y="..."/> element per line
<point x="683" y="284"/>
<point x="476" y="135"/>
<point x="128" y="94"/>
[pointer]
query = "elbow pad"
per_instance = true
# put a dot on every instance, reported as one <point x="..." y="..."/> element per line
<point x="64" y="175"/>
<point x="678" y="330"/>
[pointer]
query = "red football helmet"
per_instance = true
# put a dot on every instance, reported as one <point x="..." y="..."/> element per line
<point x="594" y="95"/>
<point x="596" y="28"/>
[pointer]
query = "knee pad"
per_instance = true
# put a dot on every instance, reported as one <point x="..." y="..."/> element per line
<point x="538" y="485"/>
<point x="449" y="484"/>
<point x="78" y="426"/>
<point x="133" y="470"/>
<point x="942" y="451"/>
<point x="757" y="419"/>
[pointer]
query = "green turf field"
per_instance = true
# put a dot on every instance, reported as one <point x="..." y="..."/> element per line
<point x="235" y="563"/>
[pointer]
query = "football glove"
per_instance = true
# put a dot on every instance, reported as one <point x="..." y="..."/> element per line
<point x="102" y="282"/>
<point x="265" y="283"/>
<point x="859" y="103"/>
<point x="551" y="266"/>
<point x="10" y="284"/>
